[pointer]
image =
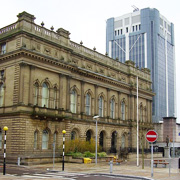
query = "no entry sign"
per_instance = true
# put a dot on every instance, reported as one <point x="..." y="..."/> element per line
<point x="151" y="136"/>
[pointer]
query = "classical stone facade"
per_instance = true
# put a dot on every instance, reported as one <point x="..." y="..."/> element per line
<point x="50" y="83"/>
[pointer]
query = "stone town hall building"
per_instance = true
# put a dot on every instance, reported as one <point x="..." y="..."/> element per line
<point x="49" y="83"/>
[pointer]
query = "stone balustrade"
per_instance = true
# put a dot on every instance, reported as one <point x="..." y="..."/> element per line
<point x="62" y="37"/>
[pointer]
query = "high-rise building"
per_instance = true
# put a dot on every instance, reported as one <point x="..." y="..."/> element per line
<point x="147" y="38"/>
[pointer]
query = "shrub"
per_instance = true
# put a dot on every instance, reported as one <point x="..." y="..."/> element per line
<point x="102" y="154"/>
<point x="80" y="146"/>
<point x="89" y="154"/>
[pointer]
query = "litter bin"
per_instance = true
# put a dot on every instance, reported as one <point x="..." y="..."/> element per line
<point x="87" y="160"/>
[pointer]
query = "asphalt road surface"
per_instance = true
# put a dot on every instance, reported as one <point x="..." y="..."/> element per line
<point x="24" y="172"/>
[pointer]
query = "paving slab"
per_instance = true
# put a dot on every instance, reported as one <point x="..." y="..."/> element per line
<point x="125" y="168"/>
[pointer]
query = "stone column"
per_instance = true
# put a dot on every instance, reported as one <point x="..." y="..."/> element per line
<point x="150" y="111"/>
<point x="67" y="93"/>
<point x="82" y="98"/>
<point x="108" y="103"/>
<point x="63" y="93"/>
<point x="22" y="84"/>
<point x="96" y="100"/>
<point x="31" y="85"/>
<point x="119" y="105"/>
<point x="132" y="106"/>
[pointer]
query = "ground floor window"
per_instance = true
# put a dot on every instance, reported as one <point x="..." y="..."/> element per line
<point x="45" y="139"/>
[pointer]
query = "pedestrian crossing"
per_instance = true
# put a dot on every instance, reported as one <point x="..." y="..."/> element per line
<point x="53" y="175"/>
<point x="70" y="176"/>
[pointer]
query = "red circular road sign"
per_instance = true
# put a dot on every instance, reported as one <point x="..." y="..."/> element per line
<point x="151" y="136"/>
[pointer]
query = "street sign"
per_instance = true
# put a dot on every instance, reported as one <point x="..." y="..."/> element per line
<point x="151" y="136"/>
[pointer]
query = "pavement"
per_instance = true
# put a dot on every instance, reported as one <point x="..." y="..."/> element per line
<point x="124" y="169"/>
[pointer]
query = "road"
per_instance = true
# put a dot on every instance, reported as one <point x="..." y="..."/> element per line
<point x="24" y="172"/>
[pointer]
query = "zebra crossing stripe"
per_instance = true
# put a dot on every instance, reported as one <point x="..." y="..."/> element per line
<point x="53" y="175"/>
<point x="29" y="176"/>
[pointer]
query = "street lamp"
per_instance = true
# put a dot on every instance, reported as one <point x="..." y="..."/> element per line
<point x="4" y="164"/>
<point x="96" y="118"/>
<point x="137" y="126"/>
<point x="64" y="132"/>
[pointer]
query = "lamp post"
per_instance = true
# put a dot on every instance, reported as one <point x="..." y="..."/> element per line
<point x="96" y="117"/>
<point x="64" y="132"/>
<point x="4" y="164"/>
<point x="137" y="128"/>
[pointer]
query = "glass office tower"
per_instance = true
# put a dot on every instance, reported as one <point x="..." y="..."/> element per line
<point x="147" y="38"/>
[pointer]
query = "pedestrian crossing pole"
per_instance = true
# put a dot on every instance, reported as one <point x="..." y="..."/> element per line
<point x="4" y="164"/>
<point x="64" y="132"/>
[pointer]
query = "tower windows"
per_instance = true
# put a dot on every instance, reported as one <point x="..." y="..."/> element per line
<point x="101" y="102"/>
<point x="3" y="48"/>
<point x="1" y="94"/>
<point x="73" y="101"/>
<point x="45" y="95"/>
<point x="88" y="104"/>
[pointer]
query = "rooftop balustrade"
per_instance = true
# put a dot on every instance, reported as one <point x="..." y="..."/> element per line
<point x="61" y="37"/>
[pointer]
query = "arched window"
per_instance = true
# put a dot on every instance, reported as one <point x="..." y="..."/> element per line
<point x="55" y="97"/>
<point x="88" y="104"/>
<point x="113" y="142"/>
<point x="45" y="139"/>
<point x="36" y="90"/>
<point x="101" y="103"/>
<point x="123" y="110"/>
<point x="45" y="95"/>
<point x="73" y="135"/>
<point x="0" y="138"/>
<point x="35" y="140"/>
<point x="1" y="95"/>
<point x="88" y="135"/>
<point x="101" y="139"/>
<point x="112" y="108"/>
<point x="73" y="101"/>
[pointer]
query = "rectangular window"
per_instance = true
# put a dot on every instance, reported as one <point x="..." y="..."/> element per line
<point x="45" y="139"/>
<point x="133" y="28"/>
<point x="3" y="48"/>
<point x="121" y="31"/>
<point x="139" y="27"/>
<point x="101" y="107"/>
<point x="127" y="30"/>
<point x="2" y="74"/>
<point x="136" y="27"/>
<point x="118" y="32"/>
<point x="112" y="109"/>
<point x="1" y="95"/>
<point x="88" y="104"/>
<point x="73" y="102"/>
<point x="115" y="33"/>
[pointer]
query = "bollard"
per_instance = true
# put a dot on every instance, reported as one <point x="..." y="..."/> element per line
<point x="111" y="166"/>
<point x="4" y="163"/>
<point x="64" y="132"/>
<point x="19" y="161"/>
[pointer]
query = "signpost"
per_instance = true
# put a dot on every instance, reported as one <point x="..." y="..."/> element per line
<point x="151" y="137"/>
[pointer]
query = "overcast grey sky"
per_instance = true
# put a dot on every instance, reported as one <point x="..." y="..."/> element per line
<point x="86" y="20"/>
